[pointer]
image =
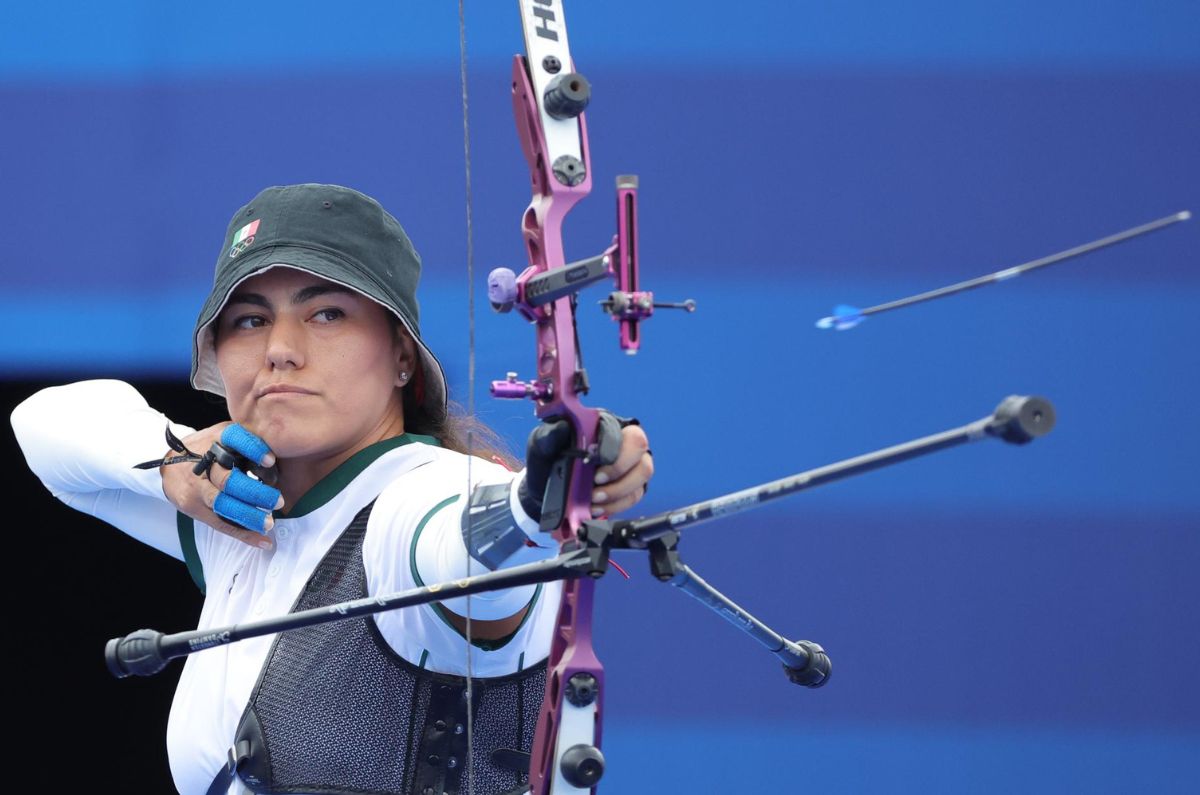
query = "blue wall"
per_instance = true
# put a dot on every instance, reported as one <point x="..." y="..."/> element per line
<point x="991" y="612"/>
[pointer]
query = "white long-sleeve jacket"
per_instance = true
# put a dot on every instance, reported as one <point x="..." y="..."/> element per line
<point x="82" y="440"/>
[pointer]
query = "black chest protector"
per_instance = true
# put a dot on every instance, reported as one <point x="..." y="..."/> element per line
<point x="336" y="711"/>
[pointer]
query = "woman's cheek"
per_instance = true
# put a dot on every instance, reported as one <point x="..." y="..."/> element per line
<point x="237" y="376"/>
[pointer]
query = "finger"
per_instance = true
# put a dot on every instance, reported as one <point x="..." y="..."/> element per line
<point x="634" y="446"/>
<point x="203" y="512"/>
<point x="241" y="534"/>
<point x="241" y="441"/>
<point x="206" y="514"/>
<point x="209" y="491"/>
<point x="241" y="513"/>
<point x="242" y="487"/>
<point x="616" y="506"/>
<point x="628" y="488"/>
<point x="218" y="475"/>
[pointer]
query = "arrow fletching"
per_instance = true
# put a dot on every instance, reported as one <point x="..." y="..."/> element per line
<point x="844" y="317"/>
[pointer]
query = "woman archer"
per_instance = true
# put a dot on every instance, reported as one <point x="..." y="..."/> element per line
<point x="310" y="334"/>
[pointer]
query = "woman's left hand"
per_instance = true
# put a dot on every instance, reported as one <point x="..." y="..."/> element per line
<point x="622" y="484"/>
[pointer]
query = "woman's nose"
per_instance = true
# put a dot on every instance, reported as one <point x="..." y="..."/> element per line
<point x="285" y="344"/>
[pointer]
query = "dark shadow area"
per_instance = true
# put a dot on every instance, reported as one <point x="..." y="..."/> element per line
<point x="80" y="582"/>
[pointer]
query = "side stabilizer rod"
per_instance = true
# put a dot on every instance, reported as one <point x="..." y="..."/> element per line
<point x="804" y="662"/>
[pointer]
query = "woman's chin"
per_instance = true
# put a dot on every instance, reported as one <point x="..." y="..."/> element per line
<point x="292" y="445"/>
<point x="289" y="439"/>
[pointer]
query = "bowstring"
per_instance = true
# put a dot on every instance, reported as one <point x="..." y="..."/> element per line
<point x="462" y="69"/>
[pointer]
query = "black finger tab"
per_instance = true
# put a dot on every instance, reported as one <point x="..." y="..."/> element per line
<point x="226" y="457"/>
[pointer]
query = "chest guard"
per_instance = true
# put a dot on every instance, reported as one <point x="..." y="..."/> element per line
<point x="336" y="711"/>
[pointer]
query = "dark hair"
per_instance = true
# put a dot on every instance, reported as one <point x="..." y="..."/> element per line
<point x="457" y="431"/>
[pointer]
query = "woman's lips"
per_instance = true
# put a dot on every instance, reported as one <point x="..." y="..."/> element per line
<point x="284" y="390"/>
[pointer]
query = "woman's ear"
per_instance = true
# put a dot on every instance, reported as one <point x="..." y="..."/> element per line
<point x="406" y="357"/>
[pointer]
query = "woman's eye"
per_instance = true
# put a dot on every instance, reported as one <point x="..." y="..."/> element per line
<point x="248" y="321"/>
<point x="328" y="315"/>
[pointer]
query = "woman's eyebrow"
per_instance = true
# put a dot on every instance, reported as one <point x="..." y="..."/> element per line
<point x="249" y="298"/>
<point x="315" y="290"/>
<point x="299" y="297"/>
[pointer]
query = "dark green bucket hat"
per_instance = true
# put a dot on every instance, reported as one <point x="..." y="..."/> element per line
<point x="336" y="233"/>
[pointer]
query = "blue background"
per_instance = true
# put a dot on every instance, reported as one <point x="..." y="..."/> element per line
<point x="998" y="618"/>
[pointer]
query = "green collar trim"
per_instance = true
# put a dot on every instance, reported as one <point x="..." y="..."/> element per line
<point x="441" y="612"/>
<point x="332" y="484"/>
<point x="186" y="527"/>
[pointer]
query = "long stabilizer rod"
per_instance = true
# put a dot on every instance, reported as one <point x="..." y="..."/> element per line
<point x="1017" y="420"/>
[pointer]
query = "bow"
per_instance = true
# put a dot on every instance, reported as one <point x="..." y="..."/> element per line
<point x="548" y="102"/>
<point x="549" y="98"/>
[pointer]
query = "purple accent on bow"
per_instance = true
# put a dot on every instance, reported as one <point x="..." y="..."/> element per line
<point x="502" y="289"/>
<point x="510" y="388"/>
<point x="557" y="395"/>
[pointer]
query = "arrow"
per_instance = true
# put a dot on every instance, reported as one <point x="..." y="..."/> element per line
<point x="847" y="317"/>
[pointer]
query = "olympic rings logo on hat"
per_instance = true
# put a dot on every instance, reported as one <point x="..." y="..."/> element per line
<point x="244" y="238"/>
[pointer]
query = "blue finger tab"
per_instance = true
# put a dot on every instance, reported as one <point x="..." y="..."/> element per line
<point x="241" y="486"/>
<point x="242" y="441"/>
<point x="240" y="513"/>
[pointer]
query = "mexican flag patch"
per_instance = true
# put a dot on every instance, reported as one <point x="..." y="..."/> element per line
<point x="244" y="238"/>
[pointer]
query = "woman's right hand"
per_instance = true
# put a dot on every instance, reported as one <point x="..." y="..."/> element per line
<point x="195" y="495"/>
